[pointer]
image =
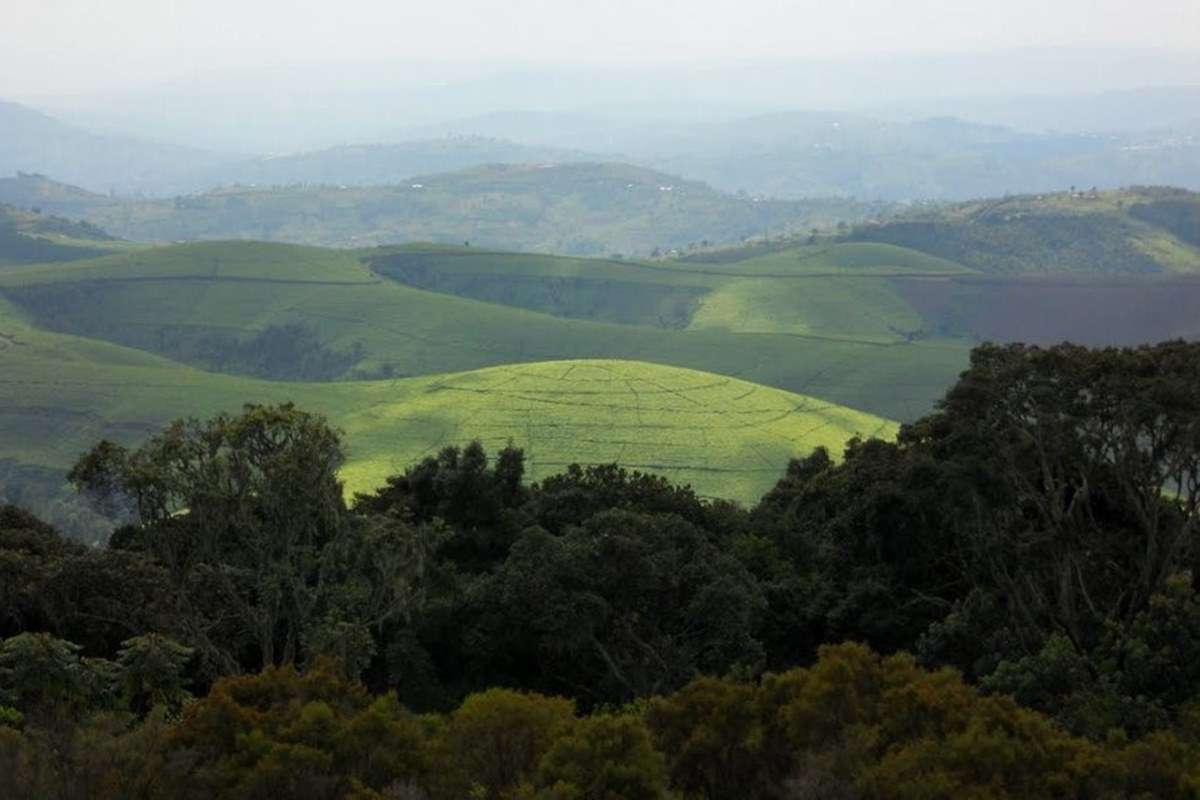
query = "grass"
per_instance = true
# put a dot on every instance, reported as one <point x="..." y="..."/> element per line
<point x="59" y="394"/>
<point x="1138" y="230"/>
<point x="805" y="343"/>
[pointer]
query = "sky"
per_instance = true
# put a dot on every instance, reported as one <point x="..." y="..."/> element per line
<point x="66" y="46"/>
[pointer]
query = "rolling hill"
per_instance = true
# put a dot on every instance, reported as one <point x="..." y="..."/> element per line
<point x="948" y="149"/>
<point x="730" y="438"/>
<point x="233" y="306"/>
<point x="580" y="209"/>
<point x="382" y="164"/>
<point x="30" y="237"/>
<point x="650" y="363"/>
<point x="1131" y="231"/>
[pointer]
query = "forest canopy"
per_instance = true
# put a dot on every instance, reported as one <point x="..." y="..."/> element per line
<point x="1001" y="602"/>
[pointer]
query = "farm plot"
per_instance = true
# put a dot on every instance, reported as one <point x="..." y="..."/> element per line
<point x="60" y="394"/>
<point x="726" y="437"/>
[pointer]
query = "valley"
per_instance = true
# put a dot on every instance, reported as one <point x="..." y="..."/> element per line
<point x="714" y="367"/>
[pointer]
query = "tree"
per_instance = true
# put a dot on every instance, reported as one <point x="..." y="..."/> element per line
<point x="605" y="757"/>
<point x="627" y="605"/>
<point x="713" y="736"/>
<point x="153" y="673"/>
<point x="291" y="734"/>
<point x="42" y="676"/>
<point x="1078" y="479"/>
<point x="476" y="501"/>
<point x="497" y="738"/>
<point x="246" y="513"/>
<point x="30" y="551"/>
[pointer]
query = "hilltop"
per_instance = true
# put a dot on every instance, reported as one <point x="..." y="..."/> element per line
<point x="28" y="237"/>
<point x="583" y="209"/>
<point x="384" y="163"/>
<point x="1130" y="231"/>
<point x="422" y="339"/>
<point x="727" y="437"/>
<point x="288" y="312"/>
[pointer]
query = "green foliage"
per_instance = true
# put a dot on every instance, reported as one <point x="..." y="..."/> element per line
<point x="31" y="238"/>
<point x="605" y="757"/>
<point x="715" y="735"/>
<point x="627" y="605"/>
<point x="153" y="672"/>
<point x="1027" y="531"/>
<point x="1142" y="230"/>
<point x="42" y="675"/>
<point x="297" y="735"/>
<point x="246" y="513"/>
<point x="498" y="738"/>
<point x="579" y="209"/>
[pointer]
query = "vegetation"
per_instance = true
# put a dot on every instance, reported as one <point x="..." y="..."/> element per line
<point x="1140" y="230"/>
<point x="1000" y="603"/>
<point x="206" y="303"/>
<point x="807" y="154"/>
<point x="835" y="291"/>
<point x="28" y="237"/>
<point x="578" y="209"/>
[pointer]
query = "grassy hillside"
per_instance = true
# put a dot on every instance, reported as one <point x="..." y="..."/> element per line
<point x="831" y="291"/>
<point x="30" y="237"/>
<point x="1137" y="231"/>
<point x="731" y="438"/>
<point x="582" y="209"/>
<point x="234" y="306"/>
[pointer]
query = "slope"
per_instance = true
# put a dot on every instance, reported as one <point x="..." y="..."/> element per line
<point x="578" y="209"/>
<point x="230" y="306"/>
<point x="1131" y="231"/>
<point x="30" y="237"/>
<point x="830" y="291"/>
<point x="730" y="438"/>
<point x="35" y="142"/>
<point x="381" y="164"/>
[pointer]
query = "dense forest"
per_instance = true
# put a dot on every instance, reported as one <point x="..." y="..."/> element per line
<point x="1002" y="602"/>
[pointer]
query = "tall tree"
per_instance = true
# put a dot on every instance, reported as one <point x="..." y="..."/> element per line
<point x="247" y="514"/>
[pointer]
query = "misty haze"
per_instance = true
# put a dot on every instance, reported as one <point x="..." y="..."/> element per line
<point x="613" y="400"/>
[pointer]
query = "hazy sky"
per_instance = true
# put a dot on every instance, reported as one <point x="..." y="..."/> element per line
<point x="79" y="45"/>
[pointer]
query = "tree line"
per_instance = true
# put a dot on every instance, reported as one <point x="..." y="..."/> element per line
<point x="1000" y="603"/>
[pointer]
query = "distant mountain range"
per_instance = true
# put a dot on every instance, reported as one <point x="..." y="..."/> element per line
<point x="786" y="155"/>
<point x="33" y="142"/>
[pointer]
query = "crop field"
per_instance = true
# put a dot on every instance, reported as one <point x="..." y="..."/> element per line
<point x="831" y="291"/>
<point x="60" y="394"/>
<point x="725" y="437"/>
<point x="843" y="340"/>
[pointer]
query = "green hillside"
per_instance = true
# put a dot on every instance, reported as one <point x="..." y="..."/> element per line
<point x="1135" y="231"/>
<point x="30" y="237"/>
<point x="59" y="394"/>
<point x="581" y="208"/>
<point x="835" y="291"/>
<point x="320" y="314"/>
